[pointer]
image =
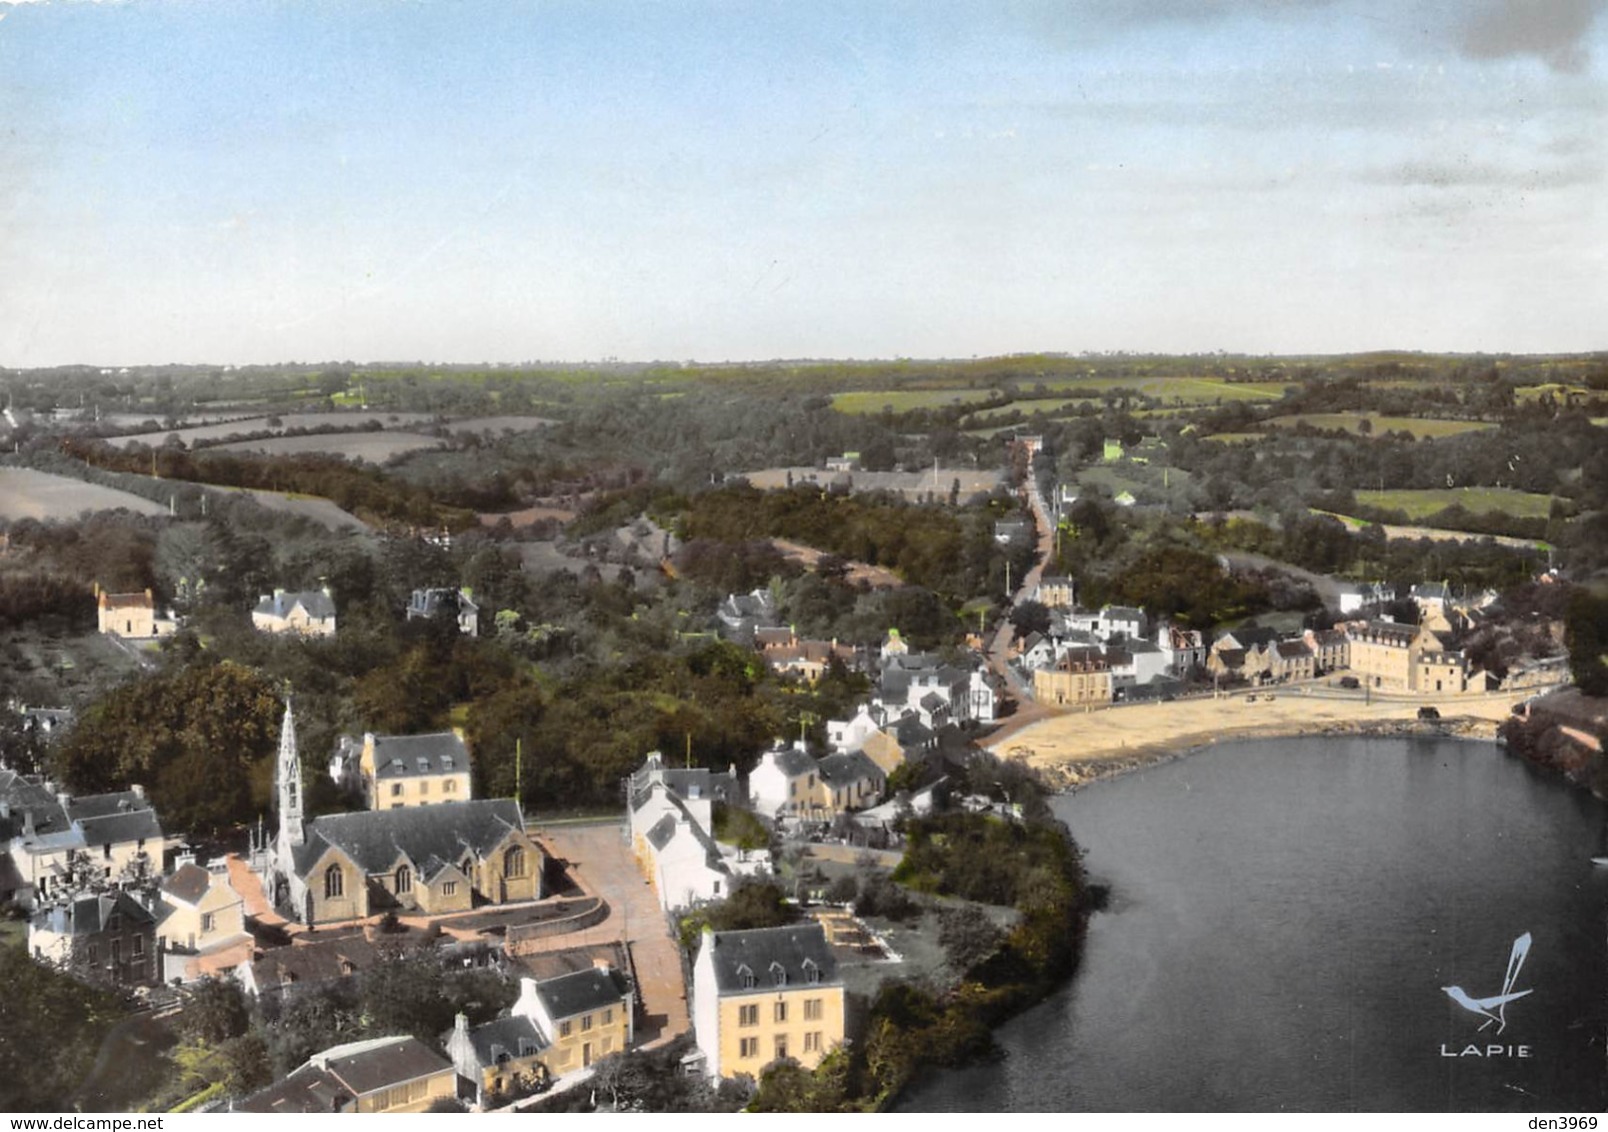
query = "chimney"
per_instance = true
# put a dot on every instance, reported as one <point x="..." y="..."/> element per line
<point x="599" y="963"/>
<point x="460" y="1023"/>
<point x="138" y="791"/>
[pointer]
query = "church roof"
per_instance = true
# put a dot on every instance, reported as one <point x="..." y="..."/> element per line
<point x="374" y="839"/>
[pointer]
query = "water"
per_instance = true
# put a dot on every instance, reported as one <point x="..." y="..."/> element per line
<point x="1284" y="917"/>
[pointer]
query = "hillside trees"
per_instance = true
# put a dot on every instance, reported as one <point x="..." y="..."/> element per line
<point x="200" y="738"/>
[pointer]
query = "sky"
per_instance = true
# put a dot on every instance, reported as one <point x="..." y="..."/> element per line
<point x="227" y="182"/>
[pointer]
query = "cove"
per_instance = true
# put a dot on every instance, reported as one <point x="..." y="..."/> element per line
<point x="1286" y="918"/>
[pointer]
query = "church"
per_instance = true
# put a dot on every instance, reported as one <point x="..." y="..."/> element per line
<point x="417" y="860"/>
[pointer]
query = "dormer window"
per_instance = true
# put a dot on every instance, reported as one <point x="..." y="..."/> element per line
<point x="812" y="973"/>
<point x="778" y="974"/>
<point x="746" y="974"/>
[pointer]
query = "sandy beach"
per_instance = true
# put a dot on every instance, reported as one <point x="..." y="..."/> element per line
<point x="1077" y="747"/>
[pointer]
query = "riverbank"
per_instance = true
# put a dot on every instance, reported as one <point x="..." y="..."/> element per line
<point x="1080" y="747"/>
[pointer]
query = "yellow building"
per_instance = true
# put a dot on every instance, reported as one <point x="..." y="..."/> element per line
<point x="1404" y="658"/>
<point x="759" y="996"/>
<point x="395" y="1074"/>
<point x="585" y="1016"/>
<point x="414" y="770"/>
<point x="125" y="615"/>
<point x="1082" y="676"/>
<point x="200" y="915"/>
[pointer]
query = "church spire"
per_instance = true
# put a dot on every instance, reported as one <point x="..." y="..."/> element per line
<point x="287" y="777"/>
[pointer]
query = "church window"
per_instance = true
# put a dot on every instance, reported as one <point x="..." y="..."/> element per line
<point x="404" y="880"/>
<point x="514" y="862"/>
<point x="334" y="883"/>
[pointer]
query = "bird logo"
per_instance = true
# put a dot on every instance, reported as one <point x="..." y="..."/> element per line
<point x="1494" y="1008"/>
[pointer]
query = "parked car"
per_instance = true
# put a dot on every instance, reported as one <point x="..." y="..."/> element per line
<point x="1349" y="682"/>
<point x="1428" y="713"/>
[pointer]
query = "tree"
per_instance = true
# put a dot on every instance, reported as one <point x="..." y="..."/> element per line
<point x="967" y="936"/>
<point x="1030" y="617"/>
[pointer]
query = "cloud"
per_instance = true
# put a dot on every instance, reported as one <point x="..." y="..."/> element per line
<point x="1554" y="31"/>
<point x="1468" y="173"/>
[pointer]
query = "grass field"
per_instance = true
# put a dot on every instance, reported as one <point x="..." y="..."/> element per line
<point x="29" y="494"/>
<point x="375" y="447"/>
<point x="1419" y="427"/>
<point x="1421" y="503"/>
<point x="1236" y="437"/>
<point x="861" y="402"/>
<point x="1170" y="388"/>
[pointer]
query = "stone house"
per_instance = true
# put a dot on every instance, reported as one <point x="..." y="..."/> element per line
<point x="108" y="937"/>
<point x="763" y="995"/>
<point x="309" y="613"/>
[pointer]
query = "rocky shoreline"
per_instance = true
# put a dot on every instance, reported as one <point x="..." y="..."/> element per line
<point x="1067" y="778"/>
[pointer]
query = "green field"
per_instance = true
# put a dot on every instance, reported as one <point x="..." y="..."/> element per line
<point x="904" y="400"/>
<point x="1421" y="503"/>
<point x="1186" y="390"/>
<point x="1236" y="437"/>
<point x="1419" y="427"/>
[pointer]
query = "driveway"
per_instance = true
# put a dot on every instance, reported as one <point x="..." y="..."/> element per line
<point x="599" y="861"/>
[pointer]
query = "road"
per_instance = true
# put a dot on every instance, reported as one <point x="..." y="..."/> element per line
<point x="998" y="651"/>
<point x="599" y="861"/>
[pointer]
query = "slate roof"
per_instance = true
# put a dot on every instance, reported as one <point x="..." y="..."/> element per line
<point x="1231" y="658"/>
<point x="112" y="819"/>
<point x="1290" y="650"/>
<point x="366" y="1070"/>
<point x="1251" y="635"/>
<point x="685" y="782"/>
<point x="307" y="1089"/>
<point x="514" y="1035"/>
<point x="22" y="795"/>
<point x="839" y="770"/>
<point x="594" y="989"/>
<point x="1329" y="637"/>
<point x="405" y="756"/>
<point x="791" y="761"/>
<point x="87" y="915"/>
<point x="317" y="603"/>
<point x="427" y="603"/>
<point x="423" y="834"/>
<point x="189" y="883"/>
<point x="746" y="962"/>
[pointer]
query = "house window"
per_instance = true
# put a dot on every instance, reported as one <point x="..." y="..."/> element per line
<point x="137" y="946"/>
<point x="748" y="1048"/>
<point x="424" y="786"/>
<point x="781" y="1046"/>
<point x="781" y="1014"/>
<point x="396" y="790"/>
<point x="812" y="973"/>
<point x="607" y="1046"/>
<point x="746" y="975"/>
<point x="812" y="1042"/>
<point x="94" y="954"/>
<point x="449" y="787"/>
<point x="586" y="1023"/>
<point x="778" y="974"/>
<point x="449" y="888"/>
<point x="564" y="1029"/>
<point x="748" y="1015"/>
<point x="812" y="1010"/>
<point x="608" y="1017"/>
<point x="209" y="921"/>
<point x="514" y="862"/>
<point x="117" y="952"/>
<point x="404" y="880"/>
<point x="334" y="883"/>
